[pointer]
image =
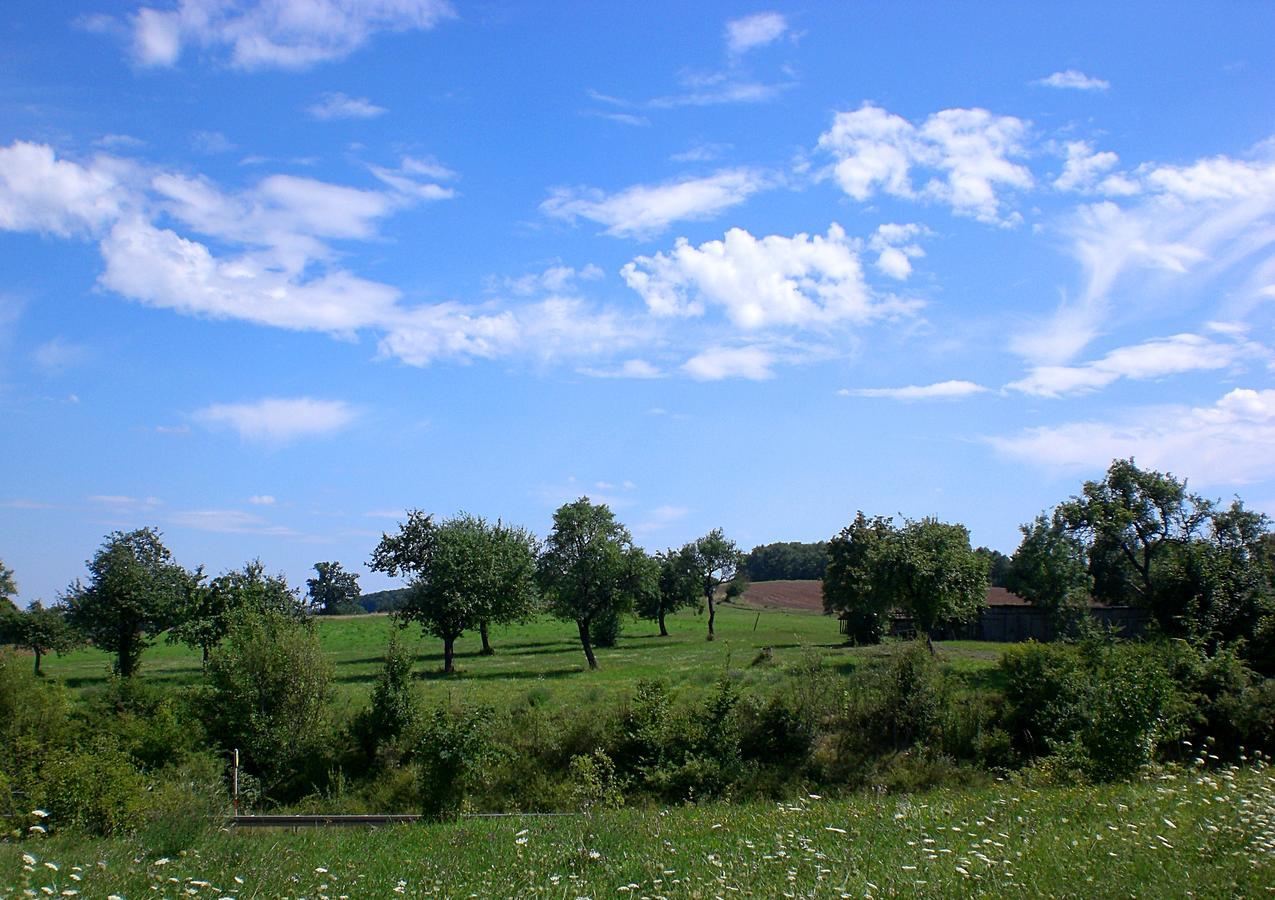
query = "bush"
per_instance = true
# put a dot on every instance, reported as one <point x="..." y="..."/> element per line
<point x="604" y="630"/>
<point x="96" y="789"/>
<point x="185" y="802"/>
<point x="271" y="686"/>
<point x="394" y="708"/>
<point x="595" y="784"/>
<point x="455" y="753"/>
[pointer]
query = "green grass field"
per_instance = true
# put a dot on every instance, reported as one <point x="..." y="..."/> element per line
<point x="544" y="656"/>
<point x="1184" y="833"/>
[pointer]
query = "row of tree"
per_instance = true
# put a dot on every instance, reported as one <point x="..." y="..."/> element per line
<point x="466" y="573"/>
<point x="463" y="574"/>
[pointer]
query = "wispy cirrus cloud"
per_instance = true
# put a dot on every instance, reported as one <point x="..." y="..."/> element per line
<point x="942" y="390"/>
<point x="341" y="106"/>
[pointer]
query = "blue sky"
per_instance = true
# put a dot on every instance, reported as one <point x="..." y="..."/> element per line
<point x="273" y="272"/>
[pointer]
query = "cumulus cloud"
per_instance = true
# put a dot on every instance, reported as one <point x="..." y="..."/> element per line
<point x="39" y="192"/>
<point x="630" y="368"/>
<point x="753" y="31"/>
<point x="1151" y="359"/>
<point x="643" y="211"/>
<point x="1230" y="442"/>
<point x="943" y="390"/>
<point x="279" y="420"/>
<point x="284" y="34"/>
<point x="896" y="247"/>
<point x="1087" y="171"/>
<point x="1074" y="80"/>
<point x="340" y="106"/>
<point x="970" y="152"/>
<point x="799" y="281"/>
<point x="58" y="354"/>
<point x="718" y="363"/>
<point x="228" y="521"/>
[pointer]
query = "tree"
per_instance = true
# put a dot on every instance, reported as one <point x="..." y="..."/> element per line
<point x="333" y="591"/>
<point x="677" y="586"/>
<point x="41" y="630"/>
<point x="1048" y="569"/>
<point x="929" y="570"/>
<point x="509" y="592"/>
<point x="463" y="570"/>
<point x="134" y="591"/>
<point x="588" y="568"/>
<point x="205" y="614"/>
<point x="8" y="590"/>
<point x="272" y="690"/>
<point x="999" y="566"/>
<point x="787" y="560"/>
<point x="1131" y="522"/>
<point x="851" y="585"/>
<point x="717" y="561"/>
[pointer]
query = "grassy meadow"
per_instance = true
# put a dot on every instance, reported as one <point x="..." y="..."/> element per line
<point x="1176" y="833"/>
<point x="542" y="660"/>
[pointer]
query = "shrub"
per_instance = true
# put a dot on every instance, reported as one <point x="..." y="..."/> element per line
<point x="271" y="686"/>
<point x="394" y="708"/>
<point x="185" y="802"/>
<point x="455" y="753"/>
<point x="595" y="784"/>
<point x="96" y="789"/>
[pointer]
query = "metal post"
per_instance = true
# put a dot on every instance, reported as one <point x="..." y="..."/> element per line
<point x="234" y="782"/>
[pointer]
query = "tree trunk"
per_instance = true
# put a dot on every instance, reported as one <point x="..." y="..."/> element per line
<point x="126" y="656"/>
<point x="449" y="646"/>
<point x="663" y="630"/>
<point x="482" y="629"/>
<point x="586" y="643"/>
<point x="205" y="648"/>
<point x="929" y="643"/>
<point x="38" y="654"/>
<point x="712" y="614"/>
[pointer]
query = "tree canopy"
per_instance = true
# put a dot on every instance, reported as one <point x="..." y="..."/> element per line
<point x="717" y="561"/>
<point x="851" y="585"/>
<point x="786" y="560"/>
<point x="206" y="611"/>
<point x="135" y="591"/>
<point x="676" y="583"/>
<point x="589" y="567"/>
<point x="333" y="591"/>
<point x="8" y="589"/>
<point x="40" y="629"/>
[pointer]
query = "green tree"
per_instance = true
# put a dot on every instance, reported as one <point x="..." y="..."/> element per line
<point x="678" y="588"/>
<point x="929" y="570"/>
<point x="41" y="630"/>
<point x="999" y="566"/>
<point x="787" y="561"/>
<point x="271" y="693"/>
<point x="205" y="613"/>
<point x="134" y="592"/>
<point x="1049" y="569"/>
<point x="8" y="590"/>
<point x="851" y="581"/>
<point x="587" y="569"/>
<point x="717" y="561"/>
<point x="463" y="570"/>
<point x="333" y="591"/>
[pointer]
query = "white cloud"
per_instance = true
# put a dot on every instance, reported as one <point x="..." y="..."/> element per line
<point x="943" y="390"/>
<point x="1075" y="80"/>
<point x="58" y="355"/>
<point x="340" y="106"/>
<point x="753" y="31"/>
<point x="660" y="518"/>
<point x="39" y="192"/>
<point x="1203" y="220"/>
<point x="285" y="34"/>
<point x="1151" y="359"/>
<point x="718" y="363"/>
<point x="643" y="211"/>
<point x="228" y="521"/>
<point x="262" y="500"/>
<point x="801" y="281"/>
<point x="1084" y="168"/>
<point x="971" y="150"/>
<point x="630" y="368"/>
<point x="896" y="248"/>
<point x="277" y="420"/>
<point x="1230" y="442"/>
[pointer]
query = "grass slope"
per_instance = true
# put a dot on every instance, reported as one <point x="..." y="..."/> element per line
<point x="1184" y="833"/>
<point x="542" y="660"/>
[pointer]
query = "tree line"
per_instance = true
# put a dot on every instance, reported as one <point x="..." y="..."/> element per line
<point x="463" y="574"/>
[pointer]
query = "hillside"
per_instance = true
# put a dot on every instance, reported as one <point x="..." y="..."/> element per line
<point x="805" y="596"/>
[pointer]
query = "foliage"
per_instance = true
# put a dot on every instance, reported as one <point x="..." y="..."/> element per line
<point x="8" y="589"/>
<point x="205" y="616"/>
<point x="39" y="629"/>
<point x="675" y="587"/>
<point x="850" y="583"/>
<point x="589" y="568"/>
<point x="929" y="570"/>
<point x="1049" y="569"/>
<point x="786" y="561"/>
<point x="394" y="708"/>
<point x="454" y="751"/>
<point x="134" y="592"/>
<point x="999" y="566"/>
<point x="595" y="783"/>
<point x="271" y="687"/>
<point x="465" y="572"/>
<point x="716" y="561"/>
<point x="95" y="789"/>
<point x="333" y="591"/>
